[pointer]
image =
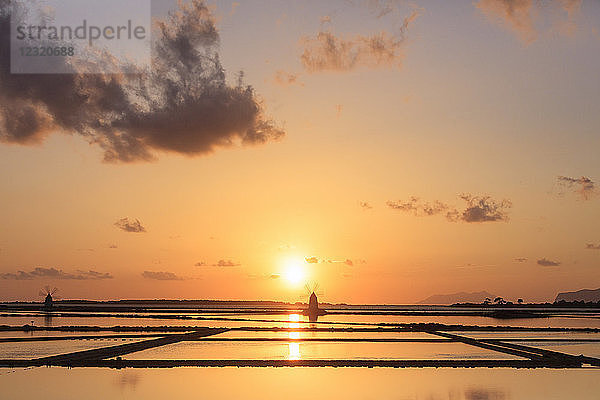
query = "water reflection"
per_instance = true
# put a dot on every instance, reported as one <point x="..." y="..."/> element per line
<point x="127" y="380"/>
<point x="484" y="394"/>
<point x="294" y="347"/>
<point x="47" y="319"/>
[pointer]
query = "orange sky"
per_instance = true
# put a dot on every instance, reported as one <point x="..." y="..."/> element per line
<point x="373" y="141"/>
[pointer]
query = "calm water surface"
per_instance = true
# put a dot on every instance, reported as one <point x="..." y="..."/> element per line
<point x="299" y="384"/>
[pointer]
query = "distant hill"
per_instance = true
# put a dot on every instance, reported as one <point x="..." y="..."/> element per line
<point x="460" y="297"/>
<point x="586" y="295"/>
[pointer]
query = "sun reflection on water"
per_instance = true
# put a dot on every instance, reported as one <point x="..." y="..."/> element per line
<point x="294" y="347"/>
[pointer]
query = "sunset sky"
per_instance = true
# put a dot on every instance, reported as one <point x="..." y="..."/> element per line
<point x="389" y="151"/>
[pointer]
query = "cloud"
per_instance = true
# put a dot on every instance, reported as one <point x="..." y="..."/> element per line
<point x="183" y="105"/>
<point x="55" y="273"/>
<point x="264" y="276"/>
<point x="365" y="205"/>
<point x="548" y="263"/>
<point x="478" y="208"/>
<point x="520" y="15"/>
<point x="584" y="187"/>
<point x="113" y="246"/>
<point x="161" y="276"/>
<point x="220" y="263"/>
<point x="521" y="259"/>
<point x="130" y="225"/>
<point x="347" y="262"/>
<point x="591" y="246"/>
<point x="311" y="260"/>
<point x="226" y="263"/>
<point x="484" y="209"/>
<point x="415" y="206"/>
<point x="283" y="78"/>
<point x="327" y="51"/>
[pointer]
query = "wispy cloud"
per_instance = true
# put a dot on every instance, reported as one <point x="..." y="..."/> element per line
<point x="365" y="205"/>
<point x="478" y="208"/>
<point x="548" y="263"/>
<point x="55" y="273"/>
<point x="183" y="105"/>
<point x="161" y="276"/>
<point x="220" y="263"/>
<point x="520" y="15"/>
<point x="416" y="207"/>
<point x="328" y="51"/>
<point x="584" y="187"/>
<point x="347" y="262"/>
<point x="226" y="263"/>
<point x="130" y="225"/>
<point x="283" y="78"/>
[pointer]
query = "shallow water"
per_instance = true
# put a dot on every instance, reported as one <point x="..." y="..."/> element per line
<point x="29" y="350"/>
<point x="300" y="384"/>
<point x="317" y="350"/>
<point x="279" y="320"/>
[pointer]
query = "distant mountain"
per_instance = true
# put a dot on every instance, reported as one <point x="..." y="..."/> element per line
<point x="461" y="297"/>
<point x="584" y="294"/>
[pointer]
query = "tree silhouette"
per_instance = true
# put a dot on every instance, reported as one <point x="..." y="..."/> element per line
<point x="499" y="300"/>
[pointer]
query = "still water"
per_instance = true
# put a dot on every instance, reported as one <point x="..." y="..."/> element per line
<point x="299" y="384"/>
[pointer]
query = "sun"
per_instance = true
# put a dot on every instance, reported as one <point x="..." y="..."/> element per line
<point x="294" y="271"/>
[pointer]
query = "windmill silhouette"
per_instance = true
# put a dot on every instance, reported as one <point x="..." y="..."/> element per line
<point x="48" y="292"/>
<point x="313" y="311"/>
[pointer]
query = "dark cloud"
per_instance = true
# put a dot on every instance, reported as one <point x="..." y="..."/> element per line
<point x="484" y="209"/>
<point x="591" y="246"/>
<point x="520" y="15"/>
<point x="130" y="225"/>
<point x="311" y="260"/>
<point x="521" y="259"/>
<point x="55" y="273"/>
<point x="365" y="205"/>
<point x="478" y="208"/>
<point x="182" y="105"/>
<point x="548" y="263"/>
<point x="200" y="264"/>
<point x="226" y="263"/>
<point x="113" y="246"/>
<point x="161" y="276"/>
<point x="584" y="187"/>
